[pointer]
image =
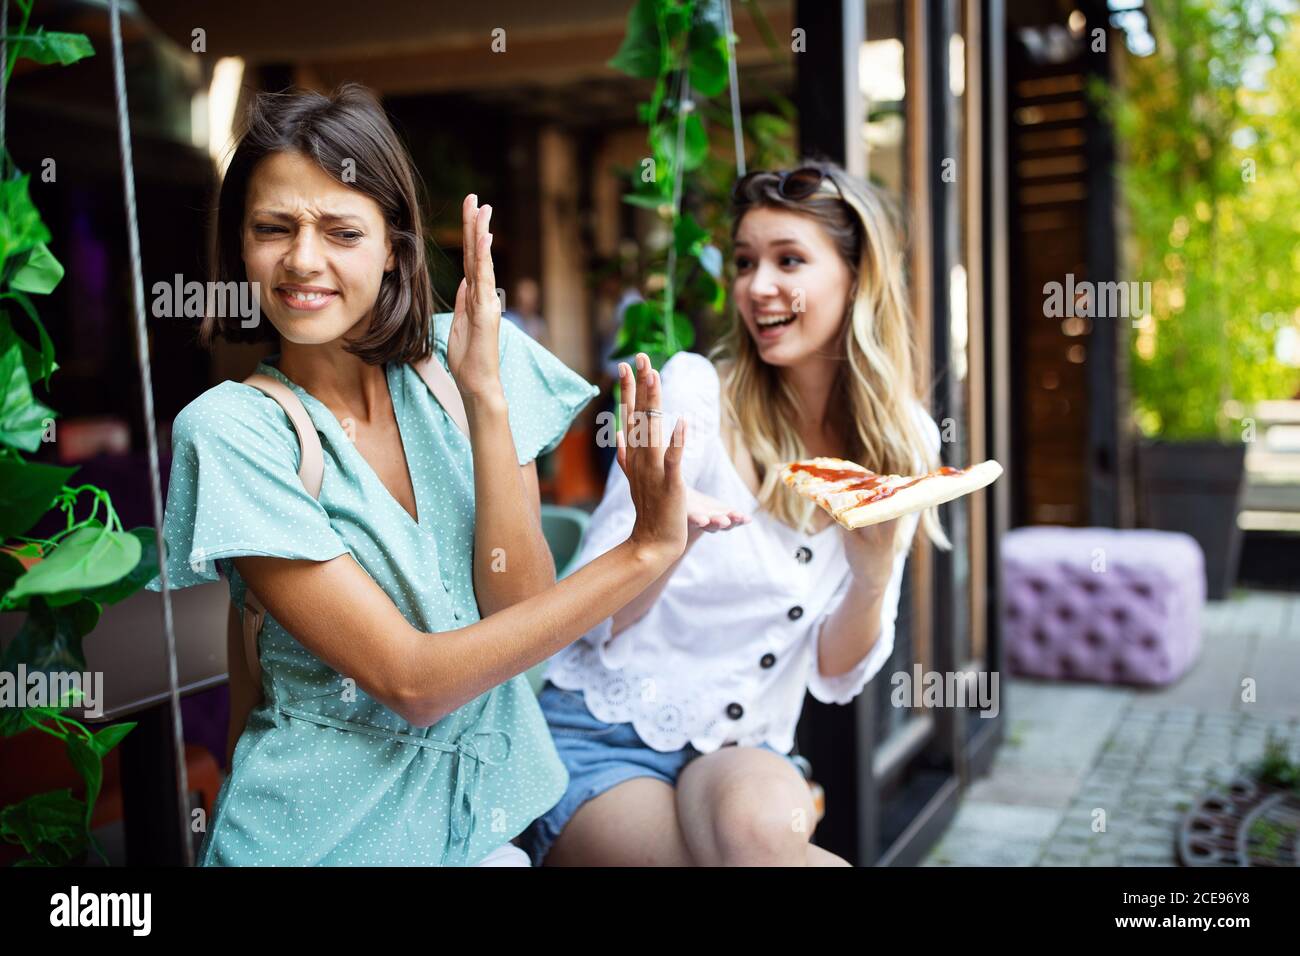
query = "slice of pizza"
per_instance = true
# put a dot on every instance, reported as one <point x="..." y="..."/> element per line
<point x="857" y="497"/>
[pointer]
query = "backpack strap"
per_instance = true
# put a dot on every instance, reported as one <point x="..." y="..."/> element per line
<point x="311" y="469"/>
<point x="443" y="387"/>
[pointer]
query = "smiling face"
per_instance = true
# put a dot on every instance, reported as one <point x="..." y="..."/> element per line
<point x="791" y="286"/>
<point x="318" y="249"/>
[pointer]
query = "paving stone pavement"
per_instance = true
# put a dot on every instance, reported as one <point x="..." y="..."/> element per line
<point x="1094" y="775"/>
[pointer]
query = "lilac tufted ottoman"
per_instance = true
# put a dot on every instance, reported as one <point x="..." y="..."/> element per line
<point x="1100" y="604"/>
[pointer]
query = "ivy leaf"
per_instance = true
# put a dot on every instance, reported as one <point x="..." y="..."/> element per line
<point x="11" y="721"/>
<point x="640" y="53"/>
<point x="88" y="558"/>
<point x="688" y="236"/>
<point x="640" y="321"/>
<point x="645" y="201"/>
<point x="708" y="290"/>
<point x="21" y="228"/>
<point x="707" y="49"/>
<point x="767" y="128"/>
<point x="663" y="144"/>
<point x="8" y="337"/>
<point x="111" y="736"/>
<point x="683" y="332"/>
<point x="52" y="47"/>
<point x="11" y="569"/>
<point x="22" y="417"/>
<point x="144" y="571"/>
<point x="643" y="331"/>
<point x="27" y="492"/>
<point x="86" y="760"/>
<point x="655" y="346"/>
<point x="711" y="290"/>
<point x="676" y="18"/>
<point x="659" y="189"/>
<point x="709" y="73"/>
<point x="40" y="273"/>
<point x="9" y="576"/>
<point x="710" y="18"/>
<point x="49" y="827"/>
<point x="696" y="145"/>
<point x="39" y="365"/>
<point x="50" y="638"/>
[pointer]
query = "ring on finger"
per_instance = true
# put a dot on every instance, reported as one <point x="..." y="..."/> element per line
<point x="654" y="412"/>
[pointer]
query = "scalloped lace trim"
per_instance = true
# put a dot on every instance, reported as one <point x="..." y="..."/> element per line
<point x="662" y="719"/>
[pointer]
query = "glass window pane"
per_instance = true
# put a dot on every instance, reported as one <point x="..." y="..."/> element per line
<point x="882" y="76"/>
<point x="957" y="450"/>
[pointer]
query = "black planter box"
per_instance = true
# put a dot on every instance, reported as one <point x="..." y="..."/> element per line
<point x="1196" y="487"/>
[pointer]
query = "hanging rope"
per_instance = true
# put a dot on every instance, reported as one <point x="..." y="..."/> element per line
<point x="150" y="425"/>
<point x="735" y="89"/>
<point x="684" y="106"/>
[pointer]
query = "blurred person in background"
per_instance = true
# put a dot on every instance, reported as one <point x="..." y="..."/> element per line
<point x="525" y="312"/>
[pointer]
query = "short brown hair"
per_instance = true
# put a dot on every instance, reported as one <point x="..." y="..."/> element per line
<point x="346" y="130"/>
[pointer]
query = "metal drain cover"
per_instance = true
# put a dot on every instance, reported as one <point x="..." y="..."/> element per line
<point x="1247" y="824"/>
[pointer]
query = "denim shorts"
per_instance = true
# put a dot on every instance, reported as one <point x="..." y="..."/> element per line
<point x="598" y="756"/>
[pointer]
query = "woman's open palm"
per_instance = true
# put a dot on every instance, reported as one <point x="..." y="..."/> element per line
<point x="705" y="513"/>
<point x="473" y="346"/>
<point x="651" y="463"/>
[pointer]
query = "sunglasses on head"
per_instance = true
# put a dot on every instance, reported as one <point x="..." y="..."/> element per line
<point x="794" y="184"/>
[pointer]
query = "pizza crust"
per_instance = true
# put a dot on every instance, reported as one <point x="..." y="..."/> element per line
<point x="844" y="507"/>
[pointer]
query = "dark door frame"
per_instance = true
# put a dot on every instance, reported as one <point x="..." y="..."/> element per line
<point x="889" y="808"/>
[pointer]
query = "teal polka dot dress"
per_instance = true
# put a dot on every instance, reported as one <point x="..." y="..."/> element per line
<point x="323" y="774"/>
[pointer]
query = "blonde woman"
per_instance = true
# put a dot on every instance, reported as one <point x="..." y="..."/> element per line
<point x="675" y="715"/>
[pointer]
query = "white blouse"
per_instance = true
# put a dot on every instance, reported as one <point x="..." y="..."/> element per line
<point x="729" y="648"/>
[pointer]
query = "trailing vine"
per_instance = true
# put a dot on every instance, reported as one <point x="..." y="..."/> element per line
<point x="687" y="48"/>
<point x="62" y="582"/>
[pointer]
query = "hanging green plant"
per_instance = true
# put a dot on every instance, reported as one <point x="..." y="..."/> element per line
<point x="686" y="48"/>
<point x="61" y="582"/>
<point x="683" y="46"/>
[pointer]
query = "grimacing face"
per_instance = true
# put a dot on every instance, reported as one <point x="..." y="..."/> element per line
<point x="318" y="248"/>
<point x="791" y="285"/>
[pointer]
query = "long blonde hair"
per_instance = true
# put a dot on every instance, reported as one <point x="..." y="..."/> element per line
<point x="878" y="379"/>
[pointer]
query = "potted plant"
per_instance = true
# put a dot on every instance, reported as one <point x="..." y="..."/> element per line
<point x="61" y="581"/>
<point x="1197" y="170"/>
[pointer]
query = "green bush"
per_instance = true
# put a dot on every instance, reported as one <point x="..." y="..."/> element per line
<point x="1209" y="161"/>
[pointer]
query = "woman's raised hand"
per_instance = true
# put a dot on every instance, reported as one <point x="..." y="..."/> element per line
<point x="652" y="465"/>
<point x="473" y="346"/>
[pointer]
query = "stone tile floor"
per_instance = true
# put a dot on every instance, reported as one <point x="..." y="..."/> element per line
<point x="1134" y="759"/>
